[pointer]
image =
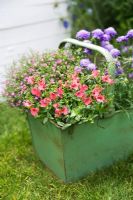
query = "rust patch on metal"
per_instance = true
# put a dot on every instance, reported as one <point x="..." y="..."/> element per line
<point x="57" y="143"/>
<point x="61" y="162"/>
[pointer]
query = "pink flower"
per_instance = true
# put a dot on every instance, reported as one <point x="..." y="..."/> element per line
<point x="96" y="91"/>
<point x="59" y="92"/>
<point x="23" y="88"/>
<point x="64" y="110"/>
<point x="60" y="82"/>
<point x="27" y="104"/>
<point x="100" y="98"/>
<point x="45" y="102"/>
<point x="53" y="96"/>
<point x="36" y="92"/>
<point x="66" y="84"/>
<point x="95" y="73"/>
<point x="30" y="80"/>
<point x="52" y="81"/>
<point x="75" y="76"/>
<point x="58" y="112"/>
<point x="83" y="87"/>
<point x="87" y="101"/>
<point x="59" y="61"/>
<point x="79" y="94"/>
<point x="41" y="85"/>
<point x="107" y="79"/>
<point x="34" y="111"/>
<point x="55" y="105"/>
<point x="74" y="85"/>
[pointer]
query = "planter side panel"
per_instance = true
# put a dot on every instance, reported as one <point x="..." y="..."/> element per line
<point x="89" y="147"/>
<point x="48" y="145"/>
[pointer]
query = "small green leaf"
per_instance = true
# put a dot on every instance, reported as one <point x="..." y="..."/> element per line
<point x="66" y="126"/>
<point x="45" y="120"/>
<point x="60" y="124"/>
<point x="73" y="113"/>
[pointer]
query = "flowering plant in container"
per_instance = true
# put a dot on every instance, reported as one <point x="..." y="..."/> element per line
<point x="63" y="90"/>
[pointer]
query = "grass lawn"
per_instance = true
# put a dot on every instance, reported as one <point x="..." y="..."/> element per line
<point x="24" y="177"/>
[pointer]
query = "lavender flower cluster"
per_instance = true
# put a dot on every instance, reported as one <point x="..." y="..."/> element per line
<point x="103" y="37"/>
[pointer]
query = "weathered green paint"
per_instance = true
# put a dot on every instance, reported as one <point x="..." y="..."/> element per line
<point x="80" y="149"/>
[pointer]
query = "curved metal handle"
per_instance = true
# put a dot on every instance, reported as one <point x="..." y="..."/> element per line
<point x="104" y="52"/>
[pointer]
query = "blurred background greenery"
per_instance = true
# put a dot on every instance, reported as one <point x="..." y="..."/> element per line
<point x="91" y="14"/>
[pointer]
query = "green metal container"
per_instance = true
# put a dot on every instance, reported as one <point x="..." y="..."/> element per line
<point x="80" y="149"/>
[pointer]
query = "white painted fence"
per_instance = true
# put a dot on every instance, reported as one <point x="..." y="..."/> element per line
<point x="29" y="25"/>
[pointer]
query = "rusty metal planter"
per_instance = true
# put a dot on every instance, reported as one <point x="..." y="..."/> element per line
<point x="80" y="149"/>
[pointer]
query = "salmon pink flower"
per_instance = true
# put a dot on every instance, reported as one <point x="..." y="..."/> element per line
<point x="96" y="91"/>
<point x="59" y="92"/>
<point x="56" y="105"/>
<point x="64" y="110"/>
<point x="100" y="98"/>
<point x="53" y="96"/>
<point x="79" y="94"/>
<point x="45" y="102"/>
<point x="30" y="80"/>
<point x="95" y="73"/>
<point x="87" y="101"/>
<point x="107" y="79"/>
<point x="60" y="82"/>
<point x="75" y="77"/>
<point x="36" y="92"/>
<point x="34" y="111"/>
<point x="83" y="87"/>
<point x="27" y="104"/>
<point x="41" y="85"/>
<point x="74" y="85"/>
<point x="58" y="112"/>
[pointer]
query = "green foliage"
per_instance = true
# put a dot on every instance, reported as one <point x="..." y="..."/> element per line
<point x="90" y="14"/>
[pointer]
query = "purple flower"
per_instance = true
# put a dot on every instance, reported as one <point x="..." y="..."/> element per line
<point x="85" y="62"/>
<point x="91" y="66"/>
<point x="83" y="34"/>
<point x="117" y="63"/>
<point x="104" y="43"/>
<point x="122" y="39"/>
<point x="106" y="72"/>
<point x="78" y="69"/>
<point x="110" y="31"/>
<point x="130" y="33"/>
<point x="87" y="51"/>
<point x="130" y="75"/>
<point x="65" y="24"/>
<point x="119" y="71"/>
<point x="97" y="33"/>
<point x="115" y="53"/>
<point x="58" y="62"/>
<point x="105" y="37"/>
<point x="124" y="49"/>
<point x="109" y="47"/>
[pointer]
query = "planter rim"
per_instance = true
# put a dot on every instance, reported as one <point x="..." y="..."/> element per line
<point x="106" y="116"/>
